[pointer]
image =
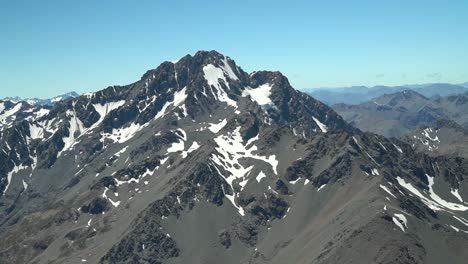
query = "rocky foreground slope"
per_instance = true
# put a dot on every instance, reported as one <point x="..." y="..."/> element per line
<point x="200" y="162"/>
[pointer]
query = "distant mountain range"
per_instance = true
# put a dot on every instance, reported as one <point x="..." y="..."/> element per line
<point x="37" y="101"/>
<point x="360" y="94"/>
<point x="396" y="114"/>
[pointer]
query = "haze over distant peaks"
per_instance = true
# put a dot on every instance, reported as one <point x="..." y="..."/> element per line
<point x="360" y="94"/>
<point x="38" y="101"/>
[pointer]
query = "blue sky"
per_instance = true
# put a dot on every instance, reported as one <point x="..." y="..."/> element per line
<point x="50" y="47"/>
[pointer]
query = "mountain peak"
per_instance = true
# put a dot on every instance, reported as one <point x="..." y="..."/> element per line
<point x="209" y="77"/>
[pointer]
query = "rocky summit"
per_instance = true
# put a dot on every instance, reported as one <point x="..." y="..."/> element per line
<point x="201" y="162"/>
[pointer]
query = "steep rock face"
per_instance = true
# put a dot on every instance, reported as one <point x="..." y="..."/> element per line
<point x="200" y="162"/>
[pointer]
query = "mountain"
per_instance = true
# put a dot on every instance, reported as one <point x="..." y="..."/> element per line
<point x="201" y="162"/>
<point x="360" y="94"/>
<point x="11" y="112"/>
<point x="352" y="95"/>
<point x="397" y="114"/>
<point x="39" y="102"/>
<point x="445" y="137"/>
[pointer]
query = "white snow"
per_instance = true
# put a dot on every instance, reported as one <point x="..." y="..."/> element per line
<point x="431" y="204"/>
<point x="398" y="148"/>
<point x="192" y="148"/>
<point x="322" y="126"/>
<point x="442" y="202"/>
<point x="436" y="202"/>
<point x="75" y="126"/>
<point x="215" y="128"/>
<point x="261" y="94"/>
<point x="104" y="195"/>
<point x="426" y="134"/>
<point x="260" y="176"/>
<point x="212" y="75"/>
<point x="41" y="112"/>
<point x="104" y="109"/>
<point x="357" y="143"/>
<point x="306" y="182"/>
<point x="56" y="99"/>
<point x="120" y="152"/>
<point x="15" y="170"/>
<point x="176" y="146"/>
<point x="296" y="180"/>
<point x="163" y="160"/>
<point x="454" y="228"/>
<point x="231" y="150"/>
<point x="179" y="145"/>
<point x="179" y="99"/>
<point x="387" y="190"/>
<point x="11" y="112"/>
<point x="384" y="148"/>
<point x="25" y="185"/>
<point x="122" y="135"/>
<point x="36" y="132"/>
<point x="456" y="194"/>
<point x="461" y="220"/>
<point x="321" y="187"/>
<point x="400" y="221"/>
<point x="228" y="70"/>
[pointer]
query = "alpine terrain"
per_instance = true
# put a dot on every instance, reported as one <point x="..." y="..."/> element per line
<point x="397" y="114"/>
<point x="445" y="137"/>
<point x="360" y="94"/>
<point x="201" y="162"/>
<point x="38" y="101"/>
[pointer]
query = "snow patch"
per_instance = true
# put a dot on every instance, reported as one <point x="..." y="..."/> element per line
<point x="230" y="150"/>
<point x="212" y="75"/>
<point x="400" y="221"/>
<point x="456" y="194"/>
<point x="36" y="132"/>
<point x="260" y="176"/>
<point x="179" y="99"/>
<point x="398" y="148"/>
<point x="387" y="190"/>
<point x="436" y="202"/>
<point x="442" y="202"/>
<point x="321" y="187"/>
<point x="15" y="170"/>
<point x="215" y="128"/>
<point x="104" y="195"/>
<point x="192" y="148"/>
<point x="322" y="126"/>
<point x="75" y="125"/>
<point x="122" y="135"/>
<point x="261" y="94"/>
<point x="104" y="109"/>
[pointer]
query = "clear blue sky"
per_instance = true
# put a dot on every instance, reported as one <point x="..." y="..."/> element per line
<point x="50" y="47"/>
